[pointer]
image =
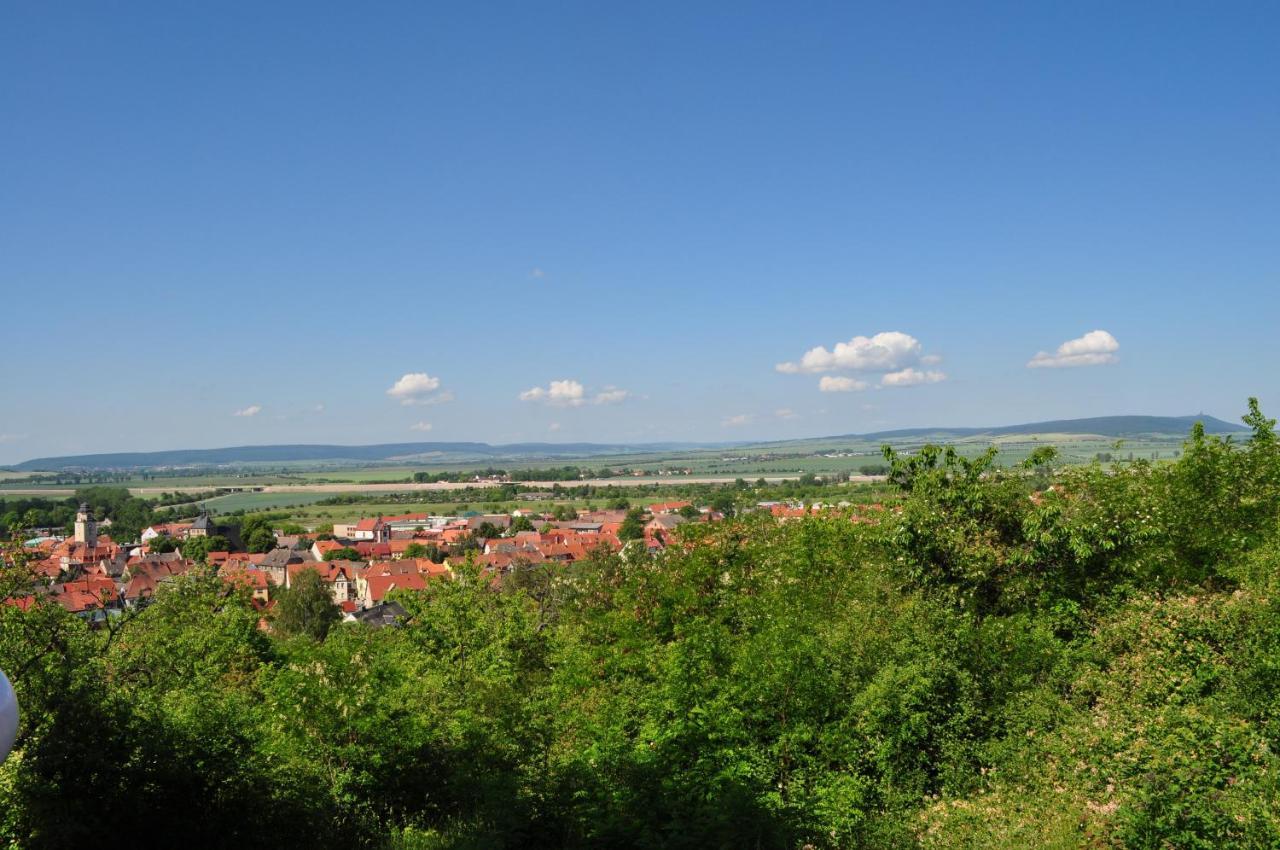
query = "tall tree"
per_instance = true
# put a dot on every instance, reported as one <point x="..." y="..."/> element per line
<point x="307" y="607"/>
<point x="632" y="527"/>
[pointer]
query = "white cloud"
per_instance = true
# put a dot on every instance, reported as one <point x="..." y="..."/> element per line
<point x="418" y="388"/>
<point x="893" y="354"/>
<point x="537" y="274"/>
<point x="1093" y="349"/>
<point x="786" y="413"/>
<point x="840" y="384"/>
<point x="439" y="398"/>
<point x="319" y="408"/>
<point x="911" y="377"/>
<point x="570" y="393"/>
<point x="879" y="353"/>
<point x="611" y="395"/>
<point x="251" y="410"/>
<point x="12" y="438"/>
<point x="563" y="393"/>
<point x="737" y="421"/>
<point x="554" y="426"/>
<point x="421" y="426"/>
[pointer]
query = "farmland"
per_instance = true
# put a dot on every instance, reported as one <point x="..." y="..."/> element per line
<point x="297" y="487"/>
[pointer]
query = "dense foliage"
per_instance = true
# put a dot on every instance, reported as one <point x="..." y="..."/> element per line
<point x="1054" y="658"/>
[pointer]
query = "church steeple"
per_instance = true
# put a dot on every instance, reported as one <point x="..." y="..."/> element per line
<point x="86" y="526"/>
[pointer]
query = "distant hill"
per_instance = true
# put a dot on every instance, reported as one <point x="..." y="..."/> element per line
<point x="1105" y="426"/>
<point x="386" y="452"/>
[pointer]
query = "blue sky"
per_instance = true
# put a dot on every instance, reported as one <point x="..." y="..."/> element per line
<point x="215" y="208"/>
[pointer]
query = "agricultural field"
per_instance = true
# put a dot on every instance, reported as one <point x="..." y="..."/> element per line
<point x="828" y="456"/>
<point x="315" y="515"/>
<point x="251" y="502"/>
<point x="302" y="508"/>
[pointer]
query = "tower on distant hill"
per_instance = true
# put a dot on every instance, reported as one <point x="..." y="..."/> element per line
<point x="86" y="526"/>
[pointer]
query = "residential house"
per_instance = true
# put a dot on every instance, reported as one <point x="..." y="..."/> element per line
<point x="379" y="616"/>
<point x="322" y="547"/>
<point x="373" y="530"/>
<point x="341" y="577"/>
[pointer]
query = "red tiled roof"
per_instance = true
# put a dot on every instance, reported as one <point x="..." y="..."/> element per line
<point x="330" y="571"/>
<point x="393" y="568"/>
<point x="76" y="601"/>
<point x="381" y="585"/>
<point x="255" y="579"/>
<point x="433" y="570"/>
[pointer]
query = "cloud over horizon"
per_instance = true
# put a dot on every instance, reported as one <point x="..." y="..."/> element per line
<point x="880" y="353"/>
<point x="563" y="393"/>
<point x="611" y="395"/>
<point x="251" y="410"/>
<point x="893" y="354"/>
<point x="840" y="384"/>
<point x="570" y="393"/>
<point x="910" y="377"/>
<point x="1096" y="348"/>
<point x="418" y="388"/>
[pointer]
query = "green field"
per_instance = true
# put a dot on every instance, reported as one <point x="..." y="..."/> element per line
<point x="263" y="501"/>
<point x="845" y="455"/>
<point x="311" y="514"/>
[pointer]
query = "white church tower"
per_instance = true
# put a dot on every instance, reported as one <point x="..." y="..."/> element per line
<point x="86" y="526"/>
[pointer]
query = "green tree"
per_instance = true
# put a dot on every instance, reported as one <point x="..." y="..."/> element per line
<point x="198" y="548"/>
<point x="260" y="540"/>
<point x="724" y="503"/>
<point x="163" y="544"/>
<point x="487" y="530"/>
<point x="632" y="527"/>
<point x="306" y="607"/>
<point x="257" y="534"/>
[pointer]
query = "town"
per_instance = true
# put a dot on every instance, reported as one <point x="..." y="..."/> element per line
<point x="360" y="564"/>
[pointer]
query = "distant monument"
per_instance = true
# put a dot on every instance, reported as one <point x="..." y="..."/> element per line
<point x="86" y="526"/>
